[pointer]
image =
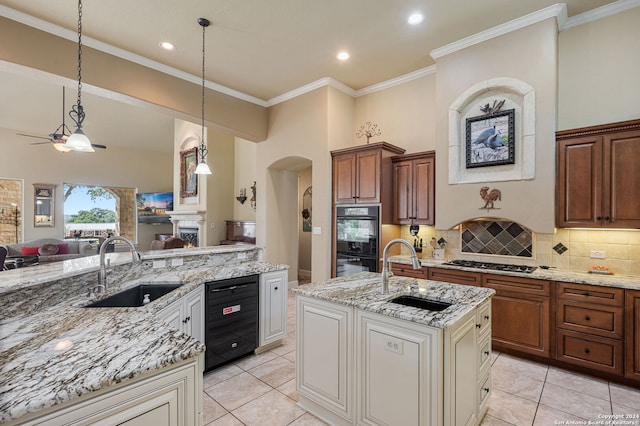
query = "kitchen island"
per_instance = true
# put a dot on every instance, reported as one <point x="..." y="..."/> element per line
<point x="61" y="361"/>
<point x="362" y="359"/>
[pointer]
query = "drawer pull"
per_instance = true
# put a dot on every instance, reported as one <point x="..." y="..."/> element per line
<point x="486" y="317"/>
<point x="486" y="390"/>
<point x="586" y="293"/>
<point x="186" y="320"/>
<point x="586" y="350"/>
<point x="275" y="288"/>
<point x="486" y="353"/>
<point x="587" y="317"/>
<point x="478" y="325"/>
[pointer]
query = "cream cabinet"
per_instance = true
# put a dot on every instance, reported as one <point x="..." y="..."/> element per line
<point x="398" y="372"/>
<point x="273" y="307"/>
<point x="324" y="359"/>
<point x="187" y="314"/>
<point x="172" y="397"/>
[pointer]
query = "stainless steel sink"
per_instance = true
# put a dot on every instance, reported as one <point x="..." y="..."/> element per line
<point x="134" y="296"/>
<point x="419" y="302"/>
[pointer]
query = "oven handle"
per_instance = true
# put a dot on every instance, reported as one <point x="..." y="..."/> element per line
<point x="234" y="287"/>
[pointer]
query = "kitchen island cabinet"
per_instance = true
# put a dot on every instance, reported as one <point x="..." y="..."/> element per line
<point x="187" y="314"/>
<point x="273" y="308"/>
<point x="364" y="360"/>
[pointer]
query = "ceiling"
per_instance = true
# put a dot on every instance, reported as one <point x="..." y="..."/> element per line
<point x="263" y="49"/>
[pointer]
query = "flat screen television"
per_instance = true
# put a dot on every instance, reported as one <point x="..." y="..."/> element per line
<point x="153" y="207"/>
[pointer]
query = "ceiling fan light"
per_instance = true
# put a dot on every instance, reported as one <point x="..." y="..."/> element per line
<point x="61" y="146"/>
<point x="203" y="169"/>
<point x="78" y="141"/>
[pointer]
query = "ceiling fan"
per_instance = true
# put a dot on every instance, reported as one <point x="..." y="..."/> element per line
<point x="60" y="135"/>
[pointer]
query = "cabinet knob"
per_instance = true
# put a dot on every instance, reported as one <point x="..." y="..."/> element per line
<point x="275" y="288"/>
<point x="599" y="218"/>
<point x="607" y="218"/>
<point x="486" y="317"/>
<point x="186" y="320"/>
<point x="586" y="350"/>
<point x="587" y="317"/>
<point x="486" y="353"/>
<point x="486" y="390"/>
<point x="586" y="293"/>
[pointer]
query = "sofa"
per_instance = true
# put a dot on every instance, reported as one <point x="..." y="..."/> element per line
<point x="51" y="249"/>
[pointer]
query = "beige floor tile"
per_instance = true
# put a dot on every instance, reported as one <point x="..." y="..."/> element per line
<point x="289" y="389"/>
<point x="227" y="420"/>
<point x="494" y="356"/>
<point x="271" y="409"/>
<point x="221" y="374"/>
<point x="546" y="415"/>
<point x="253" y="361"/>
<point x="579" y="383"/>
<point x="237" y="391"/>
<point x="625" y="411"/>
<point x="275" y="372"/>
<point x="288" y="345"/>
<point x="626" y="396"/>
<point x="291" y="356"/>
<point x="492" y="421"/>
<point x="522" y="366"/>
<point x="514" y="383"/>
<point x="212" y="410"/>
<point x="511" y="408"/>
<point x="308" y="419"/>
<point x="573" y="402"/>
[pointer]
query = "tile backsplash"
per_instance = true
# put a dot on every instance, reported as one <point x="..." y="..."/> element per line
<point x="621" y="247"/>
<point x="496" y="237"/>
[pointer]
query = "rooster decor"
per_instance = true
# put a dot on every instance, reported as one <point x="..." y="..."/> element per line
<point x="490" y="197"/>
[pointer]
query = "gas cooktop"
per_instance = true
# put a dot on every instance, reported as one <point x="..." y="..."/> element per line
<point x="493" y="266"/>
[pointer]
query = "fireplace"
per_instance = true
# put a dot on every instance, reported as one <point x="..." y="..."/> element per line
<point x="190" y="226"/>
<point x="189" y="235"/>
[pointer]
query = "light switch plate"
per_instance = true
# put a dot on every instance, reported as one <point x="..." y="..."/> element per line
<point x="597" y="254"/>
<point x="317" y="230"/>
<point x="242" y="255"/>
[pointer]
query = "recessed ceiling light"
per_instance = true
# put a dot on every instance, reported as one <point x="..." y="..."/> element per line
<point x="415" y="19"/>
<point x="167" y="46"/>
<point x="343" y="56"/>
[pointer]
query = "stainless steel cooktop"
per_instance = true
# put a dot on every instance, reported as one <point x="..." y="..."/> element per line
<point x="493" y="266"/>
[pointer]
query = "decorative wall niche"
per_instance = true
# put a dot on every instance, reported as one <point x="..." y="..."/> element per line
<point x="517" y="96"/>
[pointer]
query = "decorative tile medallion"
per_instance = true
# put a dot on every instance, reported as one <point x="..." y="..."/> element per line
<point x="497" y="237"/>
<point x="560" y="248"/>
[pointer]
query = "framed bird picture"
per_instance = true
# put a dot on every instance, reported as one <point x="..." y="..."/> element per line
<point x="490" y="139"/>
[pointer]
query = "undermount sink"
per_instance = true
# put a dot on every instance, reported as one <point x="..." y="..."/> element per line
<point x="419" y="302"/>
<point x="134" y="296"/>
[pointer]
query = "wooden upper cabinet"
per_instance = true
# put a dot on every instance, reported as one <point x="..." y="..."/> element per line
<point x="414" y="189"/>
<point x="598" y="178"/>
<point x="362" y="174"/>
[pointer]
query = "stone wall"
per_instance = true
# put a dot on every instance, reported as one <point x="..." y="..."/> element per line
<point x="10" y="193"/>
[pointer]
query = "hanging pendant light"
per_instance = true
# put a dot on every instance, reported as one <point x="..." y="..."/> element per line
<point x="203" y="167"/>
<point x="78" y="141"/>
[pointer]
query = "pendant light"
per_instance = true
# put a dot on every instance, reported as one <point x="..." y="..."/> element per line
<point x="203" y="167"/>
<point x="78" y="141"/>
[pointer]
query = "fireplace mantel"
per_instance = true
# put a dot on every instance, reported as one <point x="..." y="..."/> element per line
<point x="190" y="219"/>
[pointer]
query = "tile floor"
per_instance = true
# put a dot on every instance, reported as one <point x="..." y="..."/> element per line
<point x="260" y="390"/>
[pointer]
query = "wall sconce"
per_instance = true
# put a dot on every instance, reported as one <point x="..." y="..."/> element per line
<point x="243" y="195"/>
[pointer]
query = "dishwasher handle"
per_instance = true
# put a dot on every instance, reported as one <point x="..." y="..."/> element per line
<point x="233" y="287"/>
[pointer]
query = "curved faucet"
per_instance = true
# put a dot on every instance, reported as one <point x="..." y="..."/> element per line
<point x="102" y="274"/>
<point x="386" y="273"/>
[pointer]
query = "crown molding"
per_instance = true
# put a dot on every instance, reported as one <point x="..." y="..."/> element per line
<point x="600" y="12"/>
<point x="58" y="31"/>
<point x="558" y="10"/>
<point x="396" y="81"/>
<point x="326" y="81"/>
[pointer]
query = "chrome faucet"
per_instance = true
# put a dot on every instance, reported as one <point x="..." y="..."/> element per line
<point x="386" y="273"/>
<point x="102" y="274"/>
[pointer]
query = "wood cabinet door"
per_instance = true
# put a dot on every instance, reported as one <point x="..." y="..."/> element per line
<point x="632" y="337"/>
<point x="424" y="191"/>
<point x="368" y="177"/>
<point x="622" y="180"/>
<point x="453" y="276"/>
<point x="403" y="192"/>
<point x="579" y="182"/>
<point x="344" y="179"/>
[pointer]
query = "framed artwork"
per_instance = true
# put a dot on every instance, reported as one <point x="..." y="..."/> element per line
<point x="490" y="139"/>
<point x="188" y="178"/>
<point x="43" y="205"/>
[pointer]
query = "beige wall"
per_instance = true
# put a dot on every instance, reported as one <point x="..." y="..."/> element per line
<point x="244" y="175"/>
<point x="304" y="238"/>
<point x="529" y="55"/>
<point x="114" y="166"/>
<point x="599" y="65"/>
<point x="406" y="114"/>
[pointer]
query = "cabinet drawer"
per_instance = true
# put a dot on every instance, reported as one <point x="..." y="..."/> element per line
<point x="407" y="271"/>
<point x="484" y="391"/>
<point x="483" y="318"/>
<point x="597" y="353"/>
<point x="484" y="357"/>
<point x="453" y="276"/>
<point x="602" y="320"/>
<point x="590" y="293"/>
<point x="502" y="283"/>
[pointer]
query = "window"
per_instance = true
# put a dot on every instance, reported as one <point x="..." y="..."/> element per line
<point x="99" y="211"/>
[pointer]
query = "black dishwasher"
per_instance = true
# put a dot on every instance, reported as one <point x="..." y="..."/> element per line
<point x="231" y="319"/>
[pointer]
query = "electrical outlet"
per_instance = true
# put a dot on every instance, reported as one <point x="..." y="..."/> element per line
<point x="242" y="255"/>
<point x="159" y="263"/>
<point x="597" y="254"/>
<point x="177" y="262"/>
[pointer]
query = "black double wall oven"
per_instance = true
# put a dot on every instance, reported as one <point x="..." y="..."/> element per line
<point x="357" y="239"/>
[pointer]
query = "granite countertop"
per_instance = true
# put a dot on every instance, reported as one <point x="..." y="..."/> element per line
<point x="65" y="351"/>
<point x="621" y="281"/>
<point x="363" y="291"/>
